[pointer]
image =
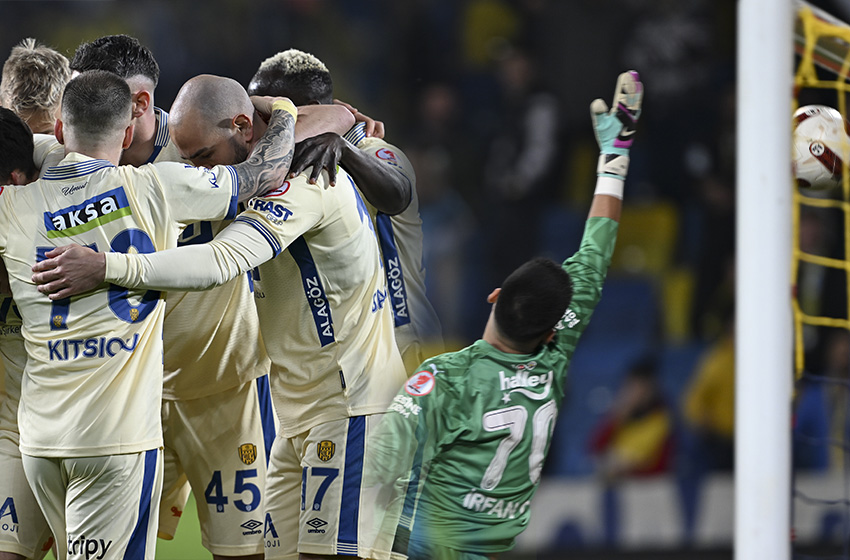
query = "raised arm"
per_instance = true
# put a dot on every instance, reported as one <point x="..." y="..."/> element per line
<point x="268" y="163"/>
<point x="614" y="130"/>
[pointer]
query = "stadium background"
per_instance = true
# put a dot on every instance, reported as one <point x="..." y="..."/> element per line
<point x="459" y="84"/>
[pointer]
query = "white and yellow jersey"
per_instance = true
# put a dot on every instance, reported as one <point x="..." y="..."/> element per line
<point x="93" y="378"/>
<point x="211" y="339"/>
<point x="13" y="356"/>
<point x="320" y="292"/>
<point x="400" y="236"/>
<point x="47" y="152"/>
<point x="323" y="304"/>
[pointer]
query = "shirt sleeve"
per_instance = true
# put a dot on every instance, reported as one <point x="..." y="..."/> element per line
<point x="384" y="152"/>
<point x="196" y="193"/>
<point x="238" y="248"/>
<point x="587" y="269"/>
<point x="266" y="228"/>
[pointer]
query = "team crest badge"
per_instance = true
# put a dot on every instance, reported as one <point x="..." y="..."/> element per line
<point x="325" y="450"/>
<point x="420" y="384"/>
<point x="248" y="453"/>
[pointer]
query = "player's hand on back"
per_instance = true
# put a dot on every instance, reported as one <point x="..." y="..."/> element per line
<point x="373" y="129"/>
<point x="322" y="152"/>
<point x="69" y="270"/>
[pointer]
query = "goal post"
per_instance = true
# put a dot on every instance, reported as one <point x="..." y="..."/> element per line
<point x="763" y="324"/>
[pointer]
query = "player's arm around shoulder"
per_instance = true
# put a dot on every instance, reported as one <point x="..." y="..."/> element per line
<point x="381" y="171"/>
<point x="268" y="163"/>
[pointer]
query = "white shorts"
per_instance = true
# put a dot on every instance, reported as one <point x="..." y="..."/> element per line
<point x="315" y="499"/>
<point x="219" y="446"/>
<point x="99" y="507"/>
<point x="23" y="529"/>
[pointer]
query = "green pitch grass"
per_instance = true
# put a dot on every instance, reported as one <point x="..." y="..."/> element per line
<point x="187" y="542"/>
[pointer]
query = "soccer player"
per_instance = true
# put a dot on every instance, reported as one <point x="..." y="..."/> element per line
<point x="218" y="421"/>
<point x="89" y="412"/>
<point x="33" y="78"/>
<point x="23" y="530"/>
<point x="325" y="319"/>
<point x="470" y="430"/>
<point x="384" y="176"/>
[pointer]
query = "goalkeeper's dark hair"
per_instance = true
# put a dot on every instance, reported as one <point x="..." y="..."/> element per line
<point x="96" y="103"/>
<point x="119" y="54"/>
<point x="300" y="76"/>
<point x="534" y="297"/>
<point x="15" y="146"/>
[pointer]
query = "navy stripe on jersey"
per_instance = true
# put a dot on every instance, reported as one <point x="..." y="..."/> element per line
<point x="162" y="136"/>
<point x="349" y="510"/>
<point x="139" y="538"/>
<point x="234" y="195"/>
<point x="303" y="488"/>
<point x="314" y="290"/>
<point x="392" y="268"/>
<point x="361" y="206"/>
<point x="356" y="133"/>
<point x="264" y="396"/>
<point x="264" y="231"/>
<point x="74" y="170"/>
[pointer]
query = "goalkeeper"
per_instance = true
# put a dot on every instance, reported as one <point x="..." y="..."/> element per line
<point x="470" y="430"/>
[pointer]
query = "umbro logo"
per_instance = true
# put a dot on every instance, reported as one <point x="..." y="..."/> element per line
<point x="251" y="524"/>
<point x="252" y="527"/>
<point x="316" y="525"/>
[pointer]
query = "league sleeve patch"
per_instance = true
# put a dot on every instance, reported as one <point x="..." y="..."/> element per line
<point x="281" y="190"/>
<point x="420" y="384"/>
<point x="387" y="155"/>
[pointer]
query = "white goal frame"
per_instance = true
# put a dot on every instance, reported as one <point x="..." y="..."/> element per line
<point x="763" y="324"/>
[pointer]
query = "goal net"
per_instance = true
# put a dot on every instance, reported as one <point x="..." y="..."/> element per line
<point x="820" y="267"/>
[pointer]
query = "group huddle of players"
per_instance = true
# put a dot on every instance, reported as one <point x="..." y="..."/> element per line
<point x="337" y="305"/>
<point x="227" y="298"/>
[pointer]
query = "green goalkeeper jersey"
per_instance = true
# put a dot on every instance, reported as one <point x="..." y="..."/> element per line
<point x="476" y="423"/>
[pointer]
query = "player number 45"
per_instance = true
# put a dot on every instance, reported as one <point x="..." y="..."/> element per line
<point x="214" y="493"/>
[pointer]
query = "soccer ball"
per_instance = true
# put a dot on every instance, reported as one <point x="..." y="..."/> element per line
<point x="821" y="146"/>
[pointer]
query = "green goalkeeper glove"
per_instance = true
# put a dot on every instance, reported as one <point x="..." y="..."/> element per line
<point x="615" y="128"/>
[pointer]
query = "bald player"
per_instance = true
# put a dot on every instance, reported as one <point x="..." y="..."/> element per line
<point x="388" y="183"/>
<point x="218" y="420"/>
<point x="324" y="314"/>
<point x="90" y="405"/>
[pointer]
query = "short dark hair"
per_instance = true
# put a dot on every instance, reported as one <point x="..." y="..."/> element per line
<point x="96" y="102"/>
<point x="15" y="146"/>
<point x="119" y="54"/>
<point x="534" y="297"/>
<point x="300" y="76"/>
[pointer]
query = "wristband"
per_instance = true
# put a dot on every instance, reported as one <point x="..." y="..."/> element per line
<point x="612" y="186"/>
<point x="285" y="105"/>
